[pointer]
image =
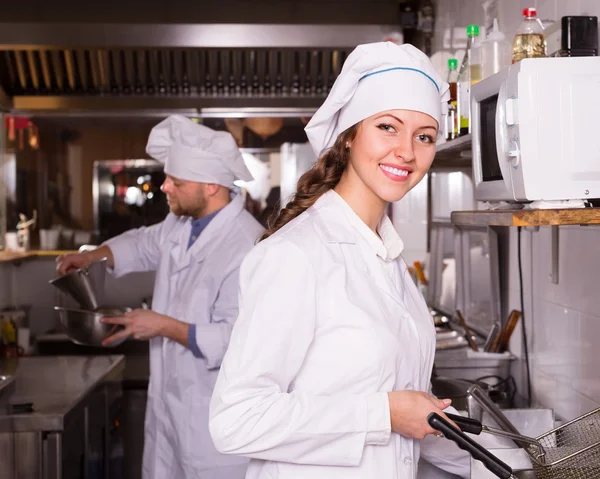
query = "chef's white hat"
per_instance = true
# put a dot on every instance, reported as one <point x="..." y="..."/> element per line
<point x="195" y="152"/>
<point x="377" y="77"/>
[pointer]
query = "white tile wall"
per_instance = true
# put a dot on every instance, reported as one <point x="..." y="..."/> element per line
<point x="563" y="320"/>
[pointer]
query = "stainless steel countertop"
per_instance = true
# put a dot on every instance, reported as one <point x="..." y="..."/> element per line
<point x="56" y="385"/>
<point x="137" y="363"/>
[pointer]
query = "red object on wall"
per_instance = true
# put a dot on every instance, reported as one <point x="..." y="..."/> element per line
<point x="17" y="126"/>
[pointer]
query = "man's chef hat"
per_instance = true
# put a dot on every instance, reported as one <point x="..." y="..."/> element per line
<point x="194" y="152"/>
<point x="377" y="77"/>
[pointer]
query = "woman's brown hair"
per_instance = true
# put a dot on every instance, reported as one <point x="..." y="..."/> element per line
<point x="322" y="177"/>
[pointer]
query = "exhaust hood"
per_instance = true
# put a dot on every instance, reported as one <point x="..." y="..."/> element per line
<point x="211" y="68"/>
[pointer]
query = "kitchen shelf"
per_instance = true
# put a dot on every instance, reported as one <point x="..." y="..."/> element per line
<point x="9" y="256"/>
<point x="455" y="152"/>
<point x="525" y="217"/>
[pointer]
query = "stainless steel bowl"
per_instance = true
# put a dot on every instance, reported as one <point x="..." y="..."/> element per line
<point x="85" y="285"/>
<point x="86" y="328"/>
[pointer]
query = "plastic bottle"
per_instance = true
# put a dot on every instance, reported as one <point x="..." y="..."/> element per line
<point x="469" y="74"/>
<point x="529" y="41"/>
<point x="451" y="119"/>
<point x="495" y="52"/>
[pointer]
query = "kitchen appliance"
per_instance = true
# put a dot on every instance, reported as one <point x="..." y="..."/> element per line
<point x="458" y="389"/>
<point x="478" y="401"/>
<point x="49" y="67"/>
<point x="473" y="426"/>
<point x="579" y="36"/>
<point x="534" y="126"/>
<point x="570" y="451"/>
<point x="85" y="285"/>
<point x="127" y="195"/>
<point x="86" y="327"/>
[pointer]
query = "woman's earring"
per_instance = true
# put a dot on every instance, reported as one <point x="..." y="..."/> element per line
<point x="347" y="146"/>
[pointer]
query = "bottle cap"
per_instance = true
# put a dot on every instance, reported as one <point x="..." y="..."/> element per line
<point x="473" y="31"/>
<point x="529" y="12"/>
<point x="452" y="63"/>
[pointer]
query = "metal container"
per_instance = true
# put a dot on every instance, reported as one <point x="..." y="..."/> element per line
<point x="84" y="285"/>
<point x="86" y="327"/>
<point x="467" y="364"/>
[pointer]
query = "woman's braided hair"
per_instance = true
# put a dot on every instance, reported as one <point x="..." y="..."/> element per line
<point x="322" y="177"/>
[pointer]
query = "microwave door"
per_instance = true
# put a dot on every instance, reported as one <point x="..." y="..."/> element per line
<point x="507" y="148"/>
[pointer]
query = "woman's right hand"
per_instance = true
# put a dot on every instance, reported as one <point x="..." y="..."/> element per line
<point x="409" y="411"/>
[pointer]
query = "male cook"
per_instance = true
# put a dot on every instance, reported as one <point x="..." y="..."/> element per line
<point x="196" y="253"/>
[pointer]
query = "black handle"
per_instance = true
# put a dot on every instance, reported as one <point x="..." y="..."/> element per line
<point x="20" y="408"/>
<point x="495" y="465"/>
<point x="466" y="424"/>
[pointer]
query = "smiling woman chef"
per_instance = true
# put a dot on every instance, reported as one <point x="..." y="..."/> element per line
<point x="329" y="365"/>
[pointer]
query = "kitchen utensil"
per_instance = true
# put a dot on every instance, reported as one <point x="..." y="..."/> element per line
<point x="20" y="408"/>
<point x="11" y="241"/>
<point x="495" y="465"/>
<point x="420" y="273"/>
<point x="479" y="401"/>
<point x="489" y="341"/>
<point x="49" y="239"/>
<point x="473" y="426"/>
<point x="86" y="328"/>
<point x="570" y="451"/>
<point x="509" y="327"/>
<point x="463" y="324"/>
<point x="440" y="319"/>
<point x="445" y="334"/>
<point x="85" y="285"/>
<point x="452" y="343"/>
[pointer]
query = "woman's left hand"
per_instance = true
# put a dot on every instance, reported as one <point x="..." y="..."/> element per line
<point x="140" y="324"/>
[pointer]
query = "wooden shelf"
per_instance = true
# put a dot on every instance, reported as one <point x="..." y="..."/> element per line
<point x="455" y="152"/>
<point x="572" y="216"/>
<point x="9" y="256"/>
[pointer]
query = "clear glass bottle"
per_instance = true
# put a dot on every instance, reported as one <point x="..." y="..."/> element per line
<point x="469" y="74"/>
<point x="451" y="119"/>
<point x="529" y="41"/>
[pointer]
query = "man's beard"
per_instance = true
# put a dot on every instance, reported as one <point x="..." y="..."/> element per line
<point x="195" y="211"/>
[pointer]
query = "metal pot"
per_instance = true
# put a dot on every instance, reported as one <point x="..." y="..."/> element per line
<point x="85" y="285"/>
<point x="86" y="327"/>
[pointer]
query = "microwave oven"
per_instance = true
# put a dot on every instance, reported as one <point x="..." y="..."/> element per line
<point x="536" y="132"/>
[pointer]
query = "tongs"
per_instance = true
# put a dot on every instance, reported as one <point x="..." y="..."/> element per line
<point x="494" y="465"/>
<point x="474" y="426"/>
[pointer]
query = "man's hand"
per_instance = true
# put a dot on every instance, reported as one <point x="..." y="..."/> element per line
<point x="144" y="324"/>
<point x="69" y="262"/>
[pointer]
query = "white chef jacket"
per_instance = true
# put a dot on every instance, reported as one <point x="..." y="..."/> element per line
<point x="197" y="285"/>
<point x="329" y="322"/>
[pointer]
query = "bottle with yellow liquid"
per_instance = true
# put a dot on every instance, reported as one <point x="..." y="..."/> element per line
<point x="529" y="41"/>
<point x="451" y="119"/>
<point x="468" y="75"/>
